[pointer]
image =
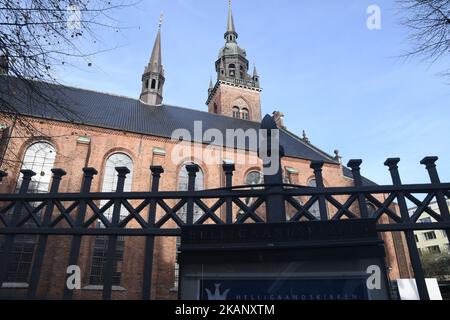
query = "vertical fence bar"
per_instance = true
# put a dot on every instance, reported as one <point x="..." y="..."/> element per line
<point x="150" y="240"/>
<point x="317" y="167"/>
<point x="355" y="165"/>
<point x="392" y="163"/>
<point x="3" y="174"/>
<point x="42" y="243"/>
<point x="9" y="239"/>
<point x="192" y="170"/>
<point x="271" y="151"/>
<point x="228" y="170"/>
<point x="108" y="268"/>
<point x="430" y="163"/>
<point x="89" y="174"/>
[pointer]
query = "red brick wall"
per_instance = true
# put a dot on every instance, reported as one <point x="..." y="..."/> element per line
<point x="73" y="157"/>
<point x="227" y="96"/>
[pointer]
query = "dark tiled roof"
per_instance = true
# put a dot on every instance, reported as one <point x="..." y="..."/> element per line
<point x="366" y="182"/>
<point x="126" y="114"/>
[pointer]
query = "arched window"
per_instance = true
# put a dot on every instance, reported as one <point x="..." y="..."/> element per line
<point x="315" y="208"/>
<point x="232" y="69"/>
<point x="183" y="181"/>
<point x="254" y="177"/>
<point x="216" y="110"/>
<point x="153" y="84"/>
<point x="110" y="174"/>
<point x="101" y="242"/>
<point x="39" y="157"/>
<point x="236" y="112"/>
<point x="146" y="84"/>
<point x="245" y="114"/>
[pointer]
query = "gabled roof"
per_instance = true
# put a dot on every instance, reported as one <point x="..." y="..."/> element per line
<point x="131" y="115"/>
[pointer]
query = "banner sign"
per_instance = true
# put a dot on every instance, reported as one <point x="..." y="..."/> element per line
<point x="284" y="289"/>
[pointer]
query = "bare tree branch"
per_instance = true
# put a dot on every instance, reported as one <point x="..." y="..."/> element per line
<point x="37" y="37"/>
<point x="429" y="21"/>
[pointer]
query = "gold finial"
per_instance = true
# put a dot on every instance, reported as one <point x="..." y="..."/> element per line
<point x="161" y="16"/>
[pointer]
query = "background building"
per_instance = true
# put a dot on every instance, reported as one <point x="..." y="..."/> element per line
<point x="431" y="241"/>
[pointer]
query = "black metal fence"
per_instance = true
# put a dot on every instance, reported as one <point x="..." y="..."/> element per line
<point x="41" y="214"/>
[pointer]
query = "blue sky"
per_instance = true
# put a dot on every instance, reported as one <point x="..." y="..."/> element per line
<point x="319" y="64"/>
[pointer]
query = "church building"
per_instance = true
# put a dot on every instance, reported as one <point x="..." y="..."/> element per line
<point x="105" y="131"/>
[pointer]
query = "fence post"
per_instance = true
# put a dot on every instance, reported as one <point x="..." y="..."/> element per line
<point x="3" y="174"/>
<point x="228" y="170"/>
<point x="42" y="243"/>
<point x="317" y="167"/>
<point x="112" y="240"/>
<point x="192" y="170"/>
<point x="355" y="165"/>
<point x="275" y="202"/>
<point x="150" y="240"/>
<point x="430" y="163"/>
<point x="89" y="174"/>
<point x="9" y="239"/>
<point x="392" y="163"/>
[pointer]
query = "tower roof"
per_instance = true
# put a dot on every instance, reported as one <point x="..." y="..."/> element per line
<point x="255" y="73"/>
<point x="231" y="30"/>
<point x="211" y="86"/>
<point x="230" y="24"/>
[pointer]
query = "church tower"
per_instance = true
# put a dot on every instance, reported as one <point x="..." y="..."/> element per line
<point x="153" y="77"/>
<point x="236" y="93"/>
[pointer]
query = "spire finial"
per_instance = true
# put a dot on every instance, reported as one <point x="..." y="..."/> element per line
<point x="337" y="157"/>
<point x="305" y="137"/>
<point x="161" y="17"/>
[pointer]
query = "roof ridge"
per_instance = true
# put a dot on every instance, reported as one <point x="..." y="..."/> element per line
<point x="96" y="91"/>
<point x="314" y="148"/>
<point x="75" y="87"/>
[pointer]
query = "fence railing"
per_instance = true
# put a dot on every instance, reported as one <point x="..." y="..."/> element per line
<point x="162" y="213"/>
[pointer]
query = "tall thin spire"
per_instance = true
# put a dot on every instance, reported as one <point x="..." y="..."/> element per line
<point x="231" y="34"/>
<point x="211" y="86"/>
<point x="230" y="25"/>
<point x="153" y="77"/>
<point x="155" y="60"/>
